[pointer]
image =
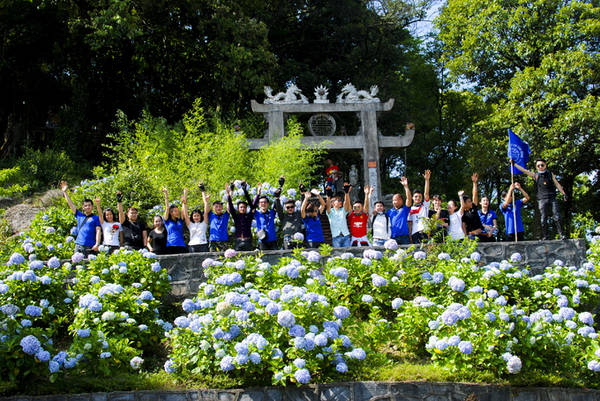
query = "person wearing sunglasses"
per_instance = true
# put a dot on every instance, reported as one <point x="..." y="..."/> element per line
<point x="546" y="185"/>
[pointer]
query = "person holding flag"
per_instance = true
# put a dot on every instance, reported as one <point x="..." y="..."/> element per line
<point x="512" y="213"/>
<point x="545" y="182"/>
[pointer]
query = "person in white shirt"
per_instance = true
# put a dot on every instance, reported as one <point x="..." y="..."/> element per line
<point x="337" y="212"/>
<point x="455" y="227"/>
<point x="419" y="212"/>
<point x="112" y="232"/>
<point x="197" y="227"/>
<point x="382" y="229"/>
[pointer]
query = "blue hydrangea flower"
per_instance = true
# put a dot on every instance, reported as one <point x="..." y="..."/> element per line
<point x="456" y="284"/>
<point x="367" y="298"/>
<point x="169" y="366"/>
<point x="30" y="344"/>
<point x="136" y="362"/>
<point x="341" y="312"/>
<point x="26" y="323"/>
<point x="83" y="333"/>
<point x="513" y="365"/>
<point x="226" y="363"/>
<point x="302" y="376"/>
<point x="465" y="347"/>
<point x="53" y="366"/>
<point x="33" y="310"/>
<point x="341" y="367"/>
<point x="397" y="303"/>
<point x="378" y="281"/>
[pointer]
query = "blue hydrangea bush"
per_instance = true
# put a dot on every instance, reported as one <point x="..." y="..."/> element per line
<point x="253" y="320"/>
<point x="96" y="316"/>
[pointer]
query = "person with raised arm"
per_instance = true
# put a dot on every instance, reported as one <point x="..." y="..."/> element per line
<point x="510" y="213"/>
<point x="359" y="219"/>
<point x="456" y="230"/>
<point x="135" y="235"/>
<point x="218" y="221"/>
<point x="174" y="223"/>
<point x="89" y="230"/>
<point x="311" y="216"/>
<point x="265" y="220"/>
<point x="398" y="214"/>
<point x="196" y="224"/>
<point x="419" y="211"/>
<point x="242" y="220"/>
<point x="337" y="212"/>
<point x="546" y="185"/>
<point x="470" y="219"/>
<point x="292" y="225"/>
<point x="112" y="232"/>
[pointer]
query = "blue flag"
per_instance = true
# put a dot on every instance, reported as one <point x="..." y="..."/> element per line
<point x="518" y="150"/>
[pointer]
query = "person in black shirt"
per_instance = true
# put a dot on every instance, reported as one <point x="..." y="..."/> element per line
<point x="157" y="239"/>
<point x="470" y="219"/>
<point x="438" y="213"/>
<point x="546" y="185"/>
<point x="135" y="235"/>
<point x="242" y="220"/>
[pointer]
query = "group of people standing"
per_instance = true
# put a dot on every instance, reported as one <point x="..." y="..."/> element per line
<point x="335" y="219"/>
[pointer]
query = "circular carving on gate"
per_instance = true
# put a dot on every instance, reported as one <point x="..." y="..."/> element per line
<point x="321" y="124"/>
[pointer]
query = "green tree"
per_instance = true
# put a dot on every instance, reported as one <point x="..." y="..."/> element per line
<point x="537" y="63"/>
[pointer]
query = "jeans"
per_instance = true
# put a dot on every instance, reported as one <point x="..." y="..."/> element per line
<point x="543" y="206"/>
<point x="341" y="241"/>
<point x="378" y="241"/>
<point x="419" y="237"/>
<point x="198" y="248"/>
<point x="267" y="246"/>
<point x="243" y="244"/>
<point x="313" y="244"/>
<point x="218" y="246"/>
<point x="86" y="250"/>
<point x="402" y="239"/>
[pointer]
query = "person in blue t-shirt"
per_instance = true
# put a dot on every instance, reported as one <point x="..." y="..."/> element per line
<point x="488" y="218"/>
<point x="310" y="213"/>
<point x="398" y="214"/>
<point x="174" y="224"/>
<point x="265" y="221"/>
<point x="217" y="223"/>
<point x="510" y="213"/>
<point x="89" y="229"/>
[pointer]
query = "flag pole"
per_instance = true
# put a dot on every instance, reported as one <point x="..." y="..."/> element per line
<point x="512" y="184"/>
<point x="512" y="181"/>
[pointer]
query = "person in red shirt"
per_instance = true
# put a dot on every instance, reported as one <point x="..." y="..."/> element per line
<point x="330" y="172"/>
<point x="358" y="220"/>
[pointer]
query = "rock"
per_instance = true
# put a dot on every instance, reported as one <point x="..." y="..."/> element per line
<point x="6" y="201"/>
<point x="49" y="197"/>
<point x="19" y="217"/>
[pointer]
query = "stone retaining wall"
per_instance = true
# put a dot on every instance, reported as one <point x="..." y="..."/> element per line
<point x="186" y="269"/>
<point x="357" y="391"/>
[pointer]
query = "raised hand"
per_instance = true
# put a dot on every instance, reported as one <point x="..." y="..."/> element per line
<point x="404" y="181"/>
<point x="475" y="178"/>
<point x="228" y="189"/>
<point x="164" y="190"/>
<point x="201" y="187"/>
<point x="97" y="200"/>
<point x="281" y="181"/>
<point x="517" y="185"/>
<point x="427" y="174"/>
<point x="461" y="193"/>
<point x="347" y="187"/>
<point x="64" y="186"/>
